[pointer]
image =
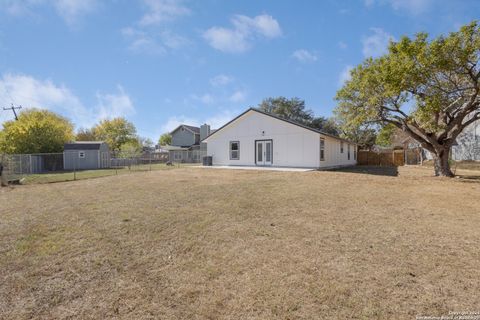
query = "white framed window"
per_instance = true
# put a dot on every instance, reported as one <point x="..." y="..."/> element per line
<point x="177" y="156"/>
<point x="322" y="149"/>
<point x="348" y="151"/>
<point x="341" y="146"/>
<point x="234" y="150"/>
<point x="81" y="154"/>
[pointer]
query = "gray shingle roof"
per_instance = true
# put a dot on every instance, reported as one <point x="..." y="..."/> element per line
<point x="194" y="129"/>
<point x="83" y="145"/>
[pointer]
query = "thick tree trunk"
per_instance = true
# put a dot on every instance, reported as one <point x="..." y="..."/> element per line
<point x="441" y="164"/>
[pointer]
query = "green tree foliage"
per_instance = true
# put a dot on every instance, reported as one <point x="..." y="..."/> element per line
<point x="427" y="88"/>
<point x="326" y="125"/>
<point x="115" y="132"/>
<point x="291" y="109"/>
<point x="131" y="149"/>
<point x="385" y="135"/>
<point x="363" y="135"/>
<point x="36" y="131"/>
<point x="294" y="109"/>
<point x="165" y="139"/>
<point x="85" y="135"/>
<point x="146" y="143"/>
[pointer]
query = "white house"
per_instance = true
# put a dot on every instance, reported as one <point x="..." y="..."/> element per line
<point x="258" y="138"/>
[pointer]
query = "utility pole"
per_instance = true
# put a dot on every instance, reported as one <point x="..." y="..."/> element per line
<point x="13" y="108"/>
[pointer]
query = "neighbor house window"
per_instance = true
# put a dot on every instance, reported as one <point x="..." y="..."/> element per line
<point x="341" y="146"/>
<point x="348" y="152"/>
<point x="322" y="149"/>
<point x="234" y="150"/>
<point x="81" y="154"/>
<point x="177" y="156"/>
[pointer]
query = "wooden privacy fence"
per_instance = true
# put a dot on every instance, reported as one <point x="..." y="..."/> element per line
<point x="388" y="159"/>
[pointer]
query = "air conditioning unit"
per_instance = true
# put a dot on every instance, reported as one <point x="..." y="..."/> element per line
<point x="207" y="161"/>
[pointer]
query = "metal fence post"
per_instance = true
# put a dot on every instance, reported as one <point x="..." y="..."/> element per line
<point x="75" y="168"/>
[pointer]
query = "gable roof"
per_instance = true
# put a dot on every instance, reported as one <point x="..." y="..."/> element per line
<point x="279" y="118"/>
<point x="83" y="145"/>
<point x="192" y="129"/>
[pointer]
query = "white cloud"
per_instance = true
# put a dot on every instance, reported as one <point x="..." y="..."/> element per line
<point x="142" y="42"/>
<point x="160" y="11"/>
<point x="152" y="43"/>
<point x="172" y="40"/>
<point x="145" y="36"/>
<point x="215" y="121"/>
<point x="414" y="7"/>
<point x="206" y="98"/>
<point x="68" y="10"/>
<point x="220" y="119"/>
<point x="111" y="105"/>
<point x="71" y="10"/>
<point x="174" y="122"/>
<point x="221" y="80"/>
<point x="342" y="45"/>
<point x="238" y="96"/>
<point x="344" y="75"/>
<point x="245" y="30"/>
<point x="30" y="92"/>
<point x="226" y="40"/>
<point x="376" y="44"/>
<point x="303" y="55"/>
<point x="263" y="24"/>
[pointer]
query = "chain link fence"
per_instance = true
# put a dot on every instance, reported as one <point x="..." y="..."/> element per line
<point x="76" y="164"/>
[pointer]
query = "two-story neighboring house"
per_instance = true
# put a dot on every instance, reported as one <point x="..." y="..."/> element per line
<point x="186" y="145"/>
<point x="467" y="146"/>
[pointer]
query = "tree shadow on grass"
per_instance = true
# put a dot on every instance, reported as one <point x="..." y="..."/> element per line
<point x="372" y="170"/>
<point x="468" y="178"/>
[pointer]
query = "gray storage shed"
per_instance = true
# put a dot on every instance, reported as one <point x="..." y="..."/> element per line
<point x="86" y="155"/>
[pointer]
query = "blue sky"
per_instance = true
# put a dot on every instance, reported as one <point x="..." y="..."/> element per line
<point x="164" y="62"/>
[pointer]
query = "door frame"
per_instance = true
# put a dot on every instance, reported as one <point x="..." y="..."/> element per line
<point x="255" y="153"/>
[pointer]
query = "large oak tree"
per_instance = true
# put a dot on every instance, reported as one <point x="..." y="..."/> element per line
<point x="427" y="88"/>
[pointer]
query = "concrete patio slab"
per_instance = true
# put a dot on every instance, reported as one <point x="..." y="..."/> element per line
<point x="257" y="168"/>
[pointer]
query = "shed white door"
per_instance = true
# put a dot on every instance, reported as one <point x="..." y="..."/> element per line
<point x="264" y="152"/>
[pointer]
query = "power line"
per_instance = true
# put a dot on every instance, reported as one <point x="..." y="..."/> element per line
<point x="13" y="108"/>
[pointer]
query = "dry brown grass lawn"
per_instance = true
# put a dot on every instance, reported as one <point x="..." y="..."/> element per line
<point x="221" y="244"/>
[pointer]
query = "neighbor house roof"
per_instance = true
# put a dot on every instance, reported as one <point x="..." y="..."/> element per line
<point x="174" y="148"/>
<point x="279" y="118"/>
<point x="83" y="145"/>
<point x="195" y="130"/>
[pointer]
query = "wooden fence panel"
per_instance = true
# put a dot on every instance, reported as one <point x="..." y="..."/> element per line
<point x="387" y="159"/>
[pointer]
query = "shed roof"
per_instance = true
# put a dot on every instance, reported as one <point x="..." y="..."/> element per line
<point x="279" y="118"/>
<point x="83" y="145"/>
<point x="193" y="129"/>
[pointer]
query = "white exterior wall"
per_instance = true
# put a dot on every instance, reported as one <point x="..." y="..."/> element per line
<point x="333" y="156"/>
<point x="293" y="146"/>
